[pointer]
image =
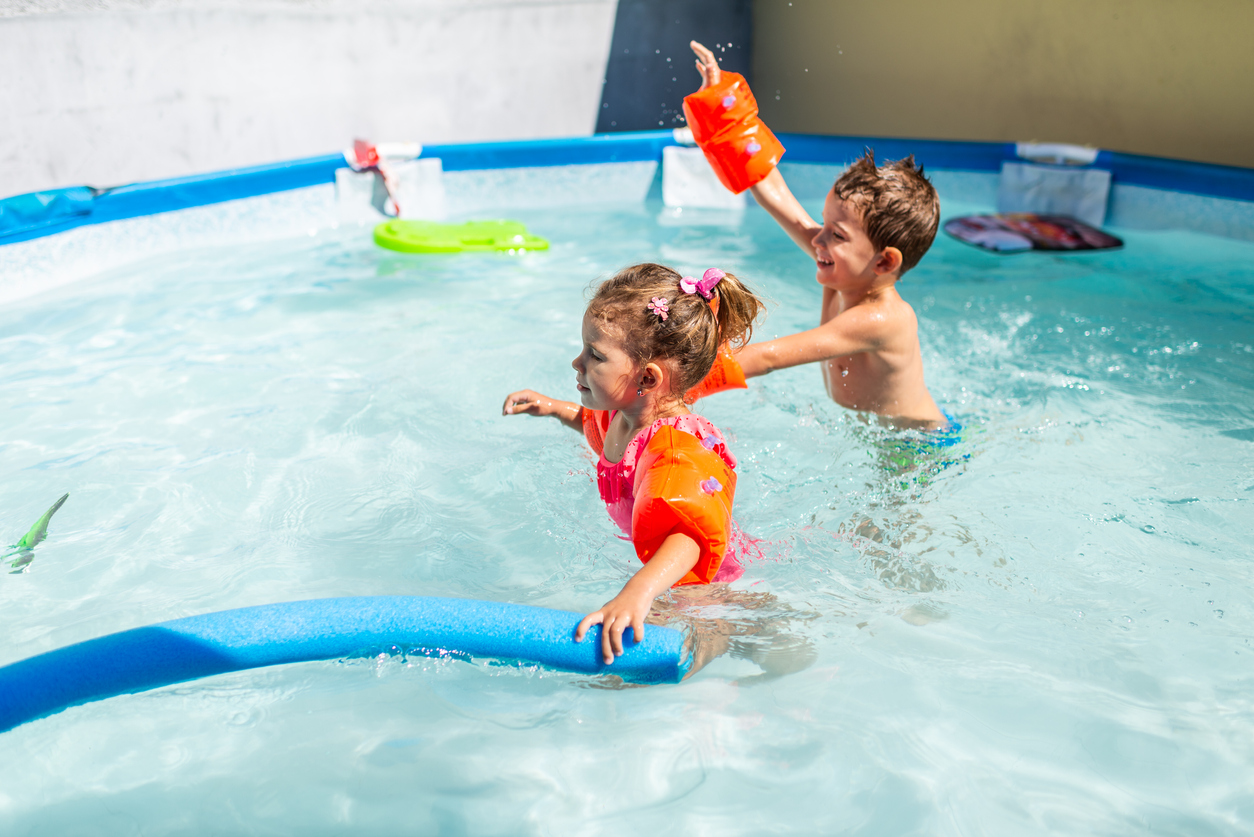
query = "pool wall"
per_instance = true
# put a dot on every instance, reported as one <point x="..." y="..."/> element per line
<point x="1146" y="191"/>
<point x="296" y="198"/>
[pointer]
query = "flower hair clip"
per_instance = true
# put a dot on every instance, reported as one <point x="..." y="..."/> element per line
<point x="704" y="285"/>
<point x="659" y="306"/>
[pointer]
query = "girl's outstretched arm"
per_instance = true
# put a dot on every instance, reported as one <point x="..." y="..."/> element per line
<point x="533" y="403"/>
<point x="674" y="559"/>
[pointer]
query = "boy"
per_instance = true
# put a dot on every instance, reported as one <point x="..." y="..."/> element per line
<point x="877" y="223"/>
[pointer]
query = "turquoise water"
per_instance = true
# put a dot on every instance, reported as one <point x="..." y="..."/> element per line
<point x="1045" y="629"/>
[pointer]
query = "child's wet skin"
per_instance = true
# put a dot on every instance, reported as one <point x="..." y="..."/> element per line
<point x="666" y="476"/>
<point x="867" y="343"/>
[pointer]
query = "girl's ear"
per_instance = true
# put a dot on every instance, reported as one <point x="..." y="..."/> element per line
<point x="652" y="376"/>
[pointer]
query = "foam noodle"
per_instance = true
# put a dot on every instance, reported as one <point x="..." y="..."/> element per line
<point x="321" y="629"/>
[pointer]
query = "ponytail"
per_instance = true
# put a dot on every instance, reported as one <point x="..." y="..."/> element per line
<point x="738" y="308"/>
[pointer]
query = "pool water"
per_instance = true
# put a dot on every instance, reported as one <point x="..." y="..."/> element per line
<point x="1045" y="628"/>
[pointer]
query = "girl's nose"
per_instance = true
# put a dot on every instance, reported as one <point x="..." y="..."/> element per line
<point x="575" y="364"/>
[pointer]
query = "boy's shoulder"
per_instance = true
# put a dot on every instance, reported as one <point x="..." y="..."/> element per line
<point x="872" y="319"/>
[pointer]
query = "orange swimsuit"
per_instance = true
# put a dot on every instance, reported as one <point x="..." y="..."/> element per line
<point x="676" y="475"/>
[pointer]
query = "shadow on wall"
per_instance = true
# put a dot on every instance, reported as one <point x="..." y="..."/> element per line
<point x="1155" y="77"/>
<point x="651" y="68"/>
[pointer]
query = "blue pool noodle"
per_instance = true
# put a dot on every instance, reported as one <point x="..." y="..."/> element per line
<point x="322" y="629"/>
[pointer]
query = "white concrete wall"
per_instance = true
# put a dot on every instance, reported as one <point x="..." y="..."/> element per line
<point x="105" y="92"/>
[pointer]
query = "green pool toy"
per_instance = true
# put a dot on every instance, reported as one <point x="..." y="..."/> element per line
<point x="470" y="237"/>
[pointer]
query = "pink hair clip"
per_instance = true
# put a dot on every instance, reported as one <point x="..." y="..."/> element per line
<point x="704" y="286"/>
<point x="658" y="306"/>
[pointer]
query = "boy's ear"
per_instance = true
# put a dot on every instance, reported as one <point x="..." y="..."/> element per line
<point x="889" y="261"/>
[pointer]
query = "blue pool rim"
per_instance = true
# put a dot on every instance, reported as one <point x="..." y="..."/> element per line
<point x="323" y="629"/>
<point x="157" y="196"/>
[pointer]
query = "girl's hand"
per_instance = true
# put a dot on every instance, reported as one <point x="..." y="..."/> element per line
<point x="674" y="558"/>
<point x="529" y="402"/>
<point x="617" y="615"/>
<point x="707" y="66"/>
<point x="534" y="404"/>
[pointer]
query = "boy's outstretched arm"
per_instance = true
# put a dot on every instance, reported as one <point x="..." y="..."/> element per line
<point x="851" y="333"/>
<point x="771" y="193"/>
<point x="534" y="404"/>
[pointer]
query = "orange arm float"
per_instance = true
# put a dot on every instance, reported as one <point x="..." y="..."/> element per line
<point x="724" y="122"/>
<point x="725" y="374"/>
<point x="596" y="423"/>
<point x="682" y="487"/>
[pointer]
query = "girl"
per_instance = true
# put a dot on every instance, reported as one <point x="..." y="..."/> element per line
<point x="665" y="474"/>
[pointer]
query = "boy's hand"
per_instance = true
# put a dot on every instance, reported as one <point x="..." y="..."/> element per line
<point x="529" y="402"/>
<point x="617" y="615"/>
<point x="707" y="66"/>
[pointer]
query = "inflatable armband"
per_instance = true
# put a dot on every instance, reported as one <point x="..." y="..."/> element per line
<point x="596" y="423"/>
<point x="683" y="487"/>
<point x="470" y="237"/>
<point x="724" y="122"/>
<point x="725" y="374"/>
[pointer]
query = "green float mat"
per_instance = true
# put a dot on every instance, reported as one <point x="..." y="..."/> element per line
<point x="470" y="237"/>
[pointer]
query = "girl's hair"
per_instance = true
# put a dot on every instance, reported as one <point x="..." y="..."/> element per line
<point x="694" y="328"/>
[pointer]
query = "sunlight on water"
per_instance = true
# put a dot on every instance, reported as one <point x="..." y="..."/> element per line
<point x="1044" y="628"/>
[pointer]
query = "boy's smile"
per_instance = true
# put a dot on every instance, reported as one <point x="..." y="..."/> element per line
<point x="842" y="250"/>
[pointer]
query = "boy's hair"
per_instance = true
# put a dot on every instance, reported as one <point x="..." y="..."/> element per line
<point x="694" y="328"/>
<point x="898" y="205"/>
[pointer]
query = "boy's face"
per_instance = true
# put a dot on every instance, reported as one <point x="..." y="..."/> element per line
<point x="844" y="255"/>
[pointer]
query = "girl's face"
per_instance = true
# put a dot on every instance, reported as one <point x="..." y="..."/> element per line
<point x="606" y="376"/>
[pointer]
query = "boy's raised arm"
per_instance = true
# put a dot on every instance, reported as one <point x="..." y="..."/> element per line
<point x="771" y="193"/>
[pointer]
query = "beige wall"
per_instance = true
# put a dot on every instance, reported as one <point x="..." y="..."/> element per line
<point x="1173" y="78"/>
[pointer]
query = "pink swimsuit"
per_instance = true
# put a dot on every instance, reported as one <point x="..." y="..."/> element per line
<point x="710" y="522"/>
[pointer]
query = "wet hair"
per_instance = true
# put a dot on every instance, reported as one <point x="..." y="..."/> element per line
<point x="898" y="205"/>
<point x="694" y="329"/>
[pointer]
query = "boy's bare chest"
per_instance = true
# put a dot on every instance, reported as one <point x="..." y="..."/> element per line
<point x="869" y="379"/>
<point x="857" y="381"/>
